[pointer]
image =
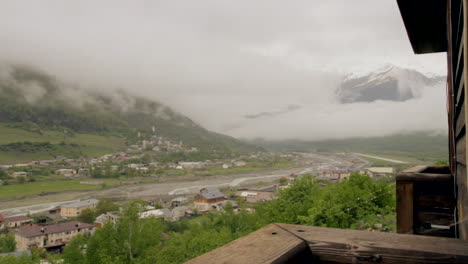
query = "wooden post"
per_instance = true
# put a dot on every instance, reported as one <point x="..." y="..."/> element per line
<point x="405" y="217"/>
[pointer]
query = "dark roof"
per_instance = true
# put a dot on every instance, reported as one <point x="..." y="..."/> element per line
<point x="36" y="230"/>
<point x="426" y="24"/>
<point x="17" y="218"/>
<point x="212" y="195"/>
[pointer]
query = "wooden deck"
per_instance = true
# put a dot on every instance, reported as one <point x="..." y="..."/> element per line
<point x="283" y="243"/>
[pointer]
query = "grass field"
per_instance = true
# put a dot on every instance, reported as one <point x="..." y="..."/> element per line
<point x="89" y="145"/>
<point x="38" y="187"/>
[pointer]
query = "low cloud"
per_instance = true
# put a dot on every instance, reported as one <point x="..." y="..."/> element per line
<point x="220" y="61"/>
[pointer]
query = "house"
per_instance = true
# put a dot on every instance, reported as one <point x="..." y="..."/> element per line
<point x="135" y="166"/>
<point x="46" y="162"/>
<point x="19" y="174"/>
<point x="157" y="213"/>
<point x="178" y="201"/>
<point x="378" y="171"/>
<point x="111" y="217"/>
<point x="75" y="209"/>
<point x="226" y="166"/>
<point x="209" y="199"/>
<point x="6" y="167"/>
<point x="14" y="221"/>
<point x="340" y="174"/>
<point x="142" y="169"/>
<point x="50" y="236"/>
<point x="21" y="165"/>
<point x="83" y="171"/>
<point x="65" y="172"/>
<point x="179" y="212"/>
<point x="191" y="165"/>
<point x="259" y="195"/>
<point x="239" y="163"/>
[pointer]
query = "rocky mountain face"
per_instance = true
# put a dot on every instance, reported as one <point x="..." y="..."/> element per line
<point x="389" y="83"/>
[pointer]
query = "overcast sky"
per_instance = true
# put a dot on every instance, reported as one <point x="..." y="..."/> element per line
<point x="220" y="62"/>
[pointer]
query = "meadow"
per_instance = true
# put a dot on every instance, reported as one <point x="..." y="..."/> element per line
<point x="49" y="186"/>
<point x="62" y="144"/>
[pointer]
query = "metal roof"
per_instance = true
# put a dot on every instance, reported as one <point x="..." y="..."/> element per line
<point x="213" y="195"/>
<point x="80" y="204"/>
<point x="380" y="169"/>
<point x="36" y="230"/>
<point x="17" y="218"/>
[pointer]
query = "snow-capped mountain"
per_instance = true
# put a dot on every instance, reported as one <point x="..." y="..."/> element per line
<point x="387" y="83"/>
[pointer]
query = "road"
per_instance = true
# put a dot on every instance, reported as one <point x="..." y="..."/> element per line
<point x="380" y="158"/>
<point x="235" y="182"/>
<point x="32" y="209"/>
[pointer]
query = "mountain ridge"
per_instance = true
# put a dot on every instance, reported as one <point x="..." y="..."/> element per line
<point x="386" y="83"/>
<point x="38" y="101"/>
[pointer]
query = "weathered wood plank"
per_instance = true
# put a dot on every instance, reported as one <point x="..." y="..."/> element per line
<point x="460" y="94"/>
<point x="460" y="123"/>
<point x="270" y="244"/>
<point x="460" y="147"/>
<point x="404" y="194"/>
<point x="330" y="245"/>
<point x="435" y="218"/>
<point x="421" y="177"/>
<point x="442" y="201"/>
<point x="460" y="55"/>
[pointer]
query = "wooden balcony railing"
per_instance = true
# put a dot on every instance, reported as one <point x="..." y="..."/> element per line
<point x="282" y="243"/>
<point x="426" y="201"/>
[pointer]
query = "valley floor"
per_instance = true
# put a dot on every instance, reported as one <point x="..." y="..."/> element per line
<point x="180" y="185"/>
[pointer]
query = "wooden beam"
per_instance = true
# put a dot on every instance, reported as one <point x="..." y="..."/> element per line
<point x="421" y="177"/>
<point x="283" y="243"/>
<point x="405" y="210"/>
<point x="331" y="245"/>
<point x="270" y="244"/>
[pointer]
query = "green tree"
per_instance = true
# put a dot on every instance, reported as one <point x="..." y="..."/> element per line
<point x="343" y="205"/>
<point x="87" y="215"/>
<point x="74" y="251"/>
<point x="283" y="181"/>
<point x="7" y="244"/>
<point x="106" y="205"/>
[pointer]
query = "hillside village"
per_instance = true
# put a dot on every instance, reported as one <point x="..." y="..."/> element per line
<point x="54" y="228"/>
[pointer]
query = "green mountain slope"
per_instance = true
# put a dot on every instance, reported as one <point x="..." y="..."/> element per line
<point x="36" y="107"/>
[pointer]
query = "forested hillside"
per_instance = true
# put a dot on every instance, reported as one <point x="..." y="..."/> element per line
<point x="40" y="104"/>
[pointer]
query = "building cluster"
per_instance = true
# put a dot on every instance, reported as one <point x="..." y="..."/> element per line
<point x="52" y="237"/>
<point x="60" y="225"/>
<point x="160" y="144"/>
<point x="338" y="175"/>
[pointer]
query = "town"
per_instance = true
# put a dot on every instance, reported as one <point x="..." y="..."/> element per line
<point x="53" y="227"/>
